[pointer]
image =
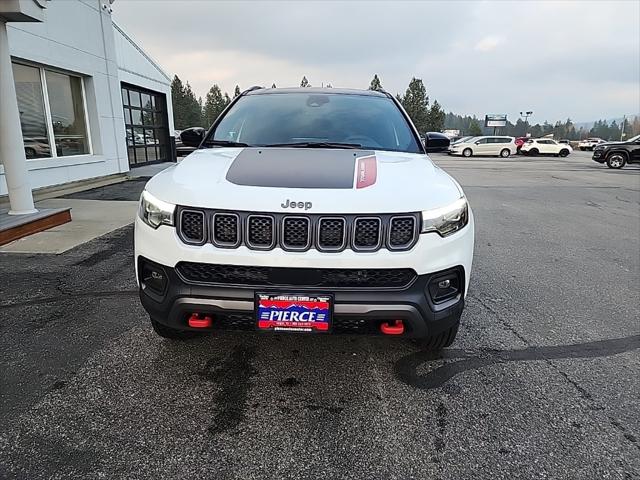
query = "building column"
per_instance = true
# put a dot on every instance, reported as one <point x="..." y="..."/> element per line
<point x="12" y="153"/>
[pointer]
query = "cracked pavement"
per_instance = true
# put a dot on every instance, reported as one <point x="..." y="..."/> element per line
<point x="542" y="382"/>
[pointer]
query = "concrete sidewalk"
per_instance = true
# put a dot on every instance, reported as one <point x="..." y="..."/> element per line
<point x="94" y="212"/>
<point x="90" y="219"/>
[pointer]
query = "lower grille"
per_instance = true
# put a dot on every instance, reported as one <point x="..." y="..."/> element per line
<point x="330" y="278"/>
<point x="341" y="324"/>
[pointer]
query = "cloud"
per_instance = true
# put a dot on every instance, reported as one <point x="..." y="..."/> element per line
<point x="474" y="57"/>
<point x="487" y="44"/>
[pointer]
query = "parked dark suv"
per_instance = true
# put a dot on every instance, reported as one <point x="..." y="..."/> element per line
<point x="618" y="154"/>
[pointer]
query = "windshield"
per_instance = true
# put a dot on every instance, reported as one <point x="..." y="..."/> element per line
<point x="364" y="121"/>
<point x="462" y="140"/>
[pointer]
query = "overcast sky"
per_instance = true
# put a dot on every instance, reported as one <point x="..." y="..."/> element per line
<point x="559" y="59"/>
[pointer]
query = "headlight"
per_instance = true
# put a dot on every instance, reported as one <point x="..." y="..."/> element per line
<point x="155" y="212"/>
<point x="446" y="220"/>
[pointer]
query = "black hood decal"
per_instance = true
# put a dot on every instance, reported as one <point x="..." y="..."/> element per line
<point x="295" y="167"/>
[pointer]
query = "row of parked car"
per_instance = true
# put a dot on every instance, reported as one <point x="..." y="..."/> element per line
<point x="504" y="146"/>
<point x="613" y="154"/>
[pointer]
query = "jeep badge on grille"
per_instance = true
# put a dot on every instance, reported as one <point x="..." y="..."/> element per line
<point x="289" y="204"/>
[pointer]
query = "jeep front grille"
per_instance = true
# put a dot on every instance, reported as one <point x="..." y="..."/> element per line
<point x="261" y="232"/>
<point x="367" y="233"/>
<point x="326" y="233"/>
<point x="226" y="229"/>
<point x="296" y="233"/>
<point x="333" y="278"/>
<point x="192" y="226"/>
<point x="401" y="232"/>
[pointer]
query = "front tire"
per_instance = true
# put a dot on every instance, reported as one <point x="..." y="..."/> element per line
<point x="505" y="153"/>
<point x="616" y="161"/>
<point x="440" y="341"/>
<point x="564" y="152"/>
<point x="171" y="333"/>
<point x="467" y="152"/>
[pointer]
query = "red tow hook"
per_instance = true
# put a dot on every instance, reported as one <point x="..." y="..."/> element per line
<point x="195" y="321"/>
<point x="395" y="327"/>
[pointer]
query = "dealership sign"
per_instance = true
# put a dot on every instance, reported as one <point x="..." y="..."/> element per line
<point x="495" y="120"/>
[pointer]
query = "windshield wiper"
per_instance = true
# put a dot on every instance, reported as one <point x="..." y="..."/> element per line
<point x="314" y="145"/>
<point x="225" y="143"/>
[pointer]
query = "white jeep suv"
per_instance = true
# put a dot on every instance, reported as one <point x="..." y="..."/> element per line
<point x="545" y="146"/>
<point x="306" y="210"/>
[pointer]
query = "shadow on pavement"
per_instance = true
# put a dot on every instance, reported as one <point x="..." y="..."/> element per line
<point x="406" y="367"/>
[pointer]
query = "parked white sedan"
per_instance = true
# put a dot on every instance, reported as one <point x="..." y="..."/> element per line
<point x="545" y="146"/>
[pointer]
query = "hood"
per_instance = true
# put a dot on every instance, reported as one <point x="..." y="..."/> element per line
<point x="312" y="180"/>
<point x="608" y="144"/>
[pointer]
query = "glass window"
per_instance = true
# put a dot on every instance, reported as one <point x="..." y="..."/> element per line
<point x="134" y="99"/>
<point x="482" y="141"/>
<point x="31" y="109"/>
<point x="125" y="97"/>
<point x="136" y="117"/>
<point x="370" y="121"/>
<point x="67" y="113"/>
<point x="146" y="101"/>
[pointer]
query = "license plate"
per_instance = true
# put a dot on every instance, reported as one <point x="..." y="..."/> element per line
<point x="294" y="313"/>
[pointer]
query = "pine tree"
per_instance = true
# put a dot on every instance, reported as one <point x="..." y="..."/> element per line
<point x="178" y="103"/>
<point x="375" y="83"/>
<point x="416" y="102"/>
<point x="236" y="92"/>
<point x="474" y="128"/>
<point x="192" y="109"/>
<point x="435" y="118"/>
<point x="214" y="104"/>
<point x="304" y="82"/>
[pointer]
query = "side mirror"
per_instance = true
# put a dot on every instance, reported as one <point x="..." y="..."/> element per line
<point x="477" y="143"/>
<point x="425" y="140"/>
<point x="192" y="137"/>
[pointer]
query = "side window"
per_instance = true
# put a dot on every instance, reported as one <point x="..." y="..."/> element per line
<point x="505" y="140"/>
<point x="482" y="141"/>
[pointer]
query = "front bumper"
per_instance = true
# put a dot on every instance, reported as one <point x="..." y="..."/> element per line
<point x="356" y="310"/>
<point x="232" y="307"/>
<point x="599" y="156"/>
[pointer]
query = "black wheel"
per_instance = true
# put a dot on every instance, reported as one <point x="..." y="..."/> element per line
<point x="564" y="152"/>
<point x="505" y="153"/>
<point x="534" y="151"/>
<point x="467" y="152"/>
<point x="171" y="333"/>
<point x="616" y="160"/>
<point x="440" y="341"/>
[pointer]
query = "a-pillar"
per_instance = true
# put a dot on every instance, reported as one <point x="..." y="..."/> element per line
<point x="12" y="154"/>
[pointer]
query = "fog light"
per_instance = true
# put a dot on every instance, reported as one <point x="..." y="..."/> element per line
<point x="444" y="286"/>
<point x="153" y="278"/>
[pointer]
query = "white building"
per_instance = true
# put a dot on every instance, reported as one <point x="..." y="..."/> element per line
<point x="90" y="101"/>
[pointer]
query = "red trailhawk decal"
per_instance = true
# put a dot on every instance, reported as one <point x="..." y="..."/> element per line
<point x="366" y="171"/>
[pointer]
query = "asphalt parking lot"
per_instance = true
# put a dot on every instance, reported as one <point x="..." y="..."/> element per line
<point x="541" y="383"/>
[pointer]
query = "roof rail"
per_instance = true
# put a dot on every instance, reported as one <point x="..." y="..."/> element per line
<point x="255" y="87"/>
